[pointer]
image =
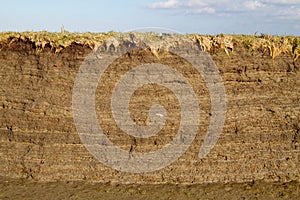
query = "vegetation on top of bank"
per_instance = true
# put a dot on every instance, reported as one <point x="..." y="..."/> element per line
<point x="56" y="41"/>
<point x="274" y="45"/>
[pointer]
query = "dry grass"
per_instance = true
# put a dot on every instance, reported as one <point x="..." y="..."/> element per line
<point x="210" y="43"/>
<point x="274" y="45"/>
<point x="56" y="41"/>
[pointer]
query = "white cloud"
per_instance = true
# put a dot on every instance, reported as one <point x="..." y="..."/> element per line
<point x="289" y="13"/>
<point x="192" y="3"/>
<point x="165" y="4"/>
<point x="204" y="10"/>
<point x="208" y="6"/>
<point x="288" y="2"/>
<point x="253" y="5"/>
<point x="272" y="8"/>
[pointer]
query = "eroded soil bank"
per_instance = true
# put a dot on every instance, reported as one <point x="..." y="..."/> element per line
<point x="259" y="142"/>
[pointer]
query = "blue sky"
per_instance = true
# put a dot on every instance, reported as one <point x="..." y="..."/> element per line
<point x="186" y="16"/>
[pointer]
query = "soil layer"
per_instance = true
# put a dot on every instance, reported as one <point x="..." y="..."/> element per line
<point x="39" y="144"/>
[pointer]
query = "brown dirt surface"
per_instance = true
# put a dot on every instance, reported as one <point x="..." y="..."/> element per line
<point x="25" y="189"/>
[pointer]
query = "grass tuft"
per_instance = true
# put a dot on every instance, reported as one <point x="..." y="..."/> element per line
<point x="275" y="45"/>
<point x="56" y="41"/>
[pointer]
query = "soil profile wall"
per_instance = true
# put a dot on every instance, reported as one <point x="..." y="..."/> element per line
<point x="38" y="138"/>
